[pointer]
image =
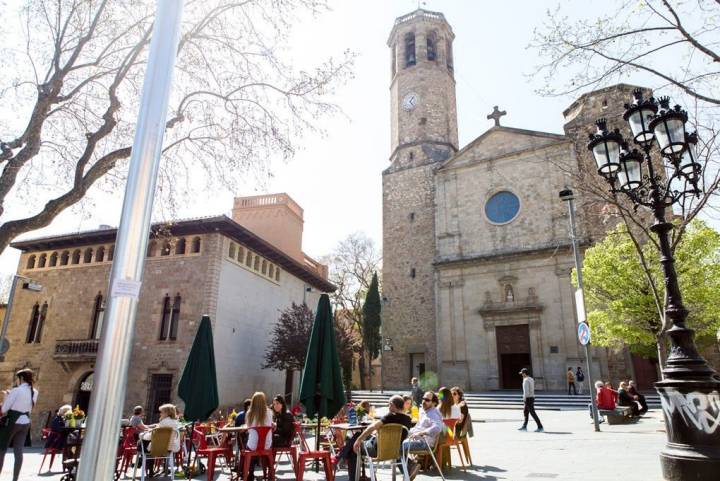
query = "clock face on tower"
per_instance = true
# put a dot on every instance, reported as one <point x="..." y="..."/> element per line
<point x="410" y="101"/>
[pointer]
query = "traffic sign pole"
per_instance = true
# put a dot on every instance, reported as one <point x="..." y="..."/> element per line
<point x="567" y="195"/>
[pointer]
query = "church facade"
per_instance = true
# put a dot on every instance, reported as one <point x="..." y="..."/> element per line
<point x="477" y="254"/>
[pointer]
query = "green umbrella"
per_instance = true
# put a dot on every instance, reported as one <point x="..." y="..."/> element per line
<point x="321" y="388"/>
<point x="198" y="384"/>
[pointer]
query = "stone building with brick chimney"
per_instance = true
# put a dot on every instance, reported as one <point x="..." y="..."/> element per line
<point x="241" y="271"/>
<point x="476" y="249"/>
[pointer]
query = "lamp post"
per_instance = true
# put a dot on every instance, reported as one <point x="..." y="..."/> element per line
<point x="689" y="391"/>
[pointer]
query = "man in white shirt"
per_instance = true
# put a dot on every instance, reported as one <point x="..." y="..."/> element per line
<point x="429" y="426"/>
<point x="528" y="386"/>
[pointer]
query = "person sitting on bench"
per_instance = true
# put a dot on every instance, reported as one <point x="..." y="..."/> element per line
<point x="626" y="400"/>
<point x="632" y="390"/>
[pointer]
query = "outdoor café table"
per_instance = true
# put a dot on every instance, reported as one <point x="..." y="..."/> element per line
<point x="237" y="431"/>
<point x="360" y="465"/>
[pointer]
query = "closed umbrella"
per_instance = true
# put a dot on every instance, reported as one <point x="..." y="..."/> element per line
<point x="321" y="388"/>
<point x="198" y="384"/>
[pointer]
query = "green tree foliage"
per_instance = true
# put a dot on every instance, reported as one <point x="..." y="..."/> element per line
<point x="622" y="308"/>
<point x="371" y="319"/>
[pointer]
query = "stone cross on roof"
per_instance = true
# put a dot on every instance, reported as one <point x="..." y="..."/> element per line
<point x="496" y="114"/>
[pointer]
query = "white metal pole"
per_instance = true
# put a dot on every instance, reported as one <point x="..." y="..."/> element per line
<point x="108" y="397"/>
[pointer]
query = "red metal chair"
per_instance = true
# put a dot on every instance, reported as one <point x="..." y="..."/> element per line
<point x="264" y="455"/>
<point x="307" y="455"/>
<point x="210" y="453"/>
<point x="50" y="436"/>
<point x="128" y="448"/>
<point x="292" y="450"/>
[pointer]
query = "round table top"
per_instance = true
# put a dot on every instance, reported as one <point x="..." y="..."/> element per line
<point x="233" y="429"/>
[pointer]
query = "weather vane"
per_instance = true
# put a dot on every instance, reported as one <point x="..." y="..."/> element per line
<point x="421" y="4"/>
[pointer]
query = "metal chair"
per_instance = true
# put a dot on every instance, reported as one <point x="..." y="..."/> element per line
<point x="389" y="444"/>
<point x="160" y="440"/>
<point x="427" y="451"/>
<point x="50" y="437"/>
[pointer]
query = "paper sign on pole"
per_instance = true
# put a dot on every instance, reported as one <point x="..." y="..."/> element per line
<point x="580" y="305"/>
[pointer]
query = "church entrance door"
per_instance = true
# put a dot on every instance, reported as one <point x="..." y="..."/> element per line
<point x="513" y="347"/>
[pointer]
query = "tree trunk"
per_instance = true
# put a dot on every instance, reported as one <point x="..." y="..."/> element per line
<point x="662" y="353"/>
<point x="361" y="369"/>
<point x="289" y="378"/>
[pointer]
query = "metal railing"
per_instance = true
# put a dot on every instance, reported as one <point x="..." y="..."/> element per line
<point x="76" y="348"/>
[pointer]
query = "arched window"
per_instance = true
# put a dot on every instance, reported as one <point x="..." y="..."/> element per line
<point x="180" y="247"/>
<point x="231" y="251"/>
<point x="100" y="254"/>
<point x="42" y="261"/>
<point x="431" y="47"/>
<point x="97" y="317"/>
<point x="170" y="317"/>
<point x="271" y="271"/>
<point x="53" y="259"/>
<point x="264" y="267"/>
<point x="409" y="49"/>
<point x="76" y="256"/>
<point x="277" y="275"/>
<point x="240" y="254"/>
<point x="449" y="54"/>
<point x="152" y="249"/>
<point x="111" y="252"/>
<point x="31" y="262"/>
<point x="87" y="257"/>
<point x="256" y="265"/>
<point x="167" y="249"/>
<point x="509" y="294"/>
<point x="32" y="326"/>
<point x="37" y="319"/>
<point x="248" y="259"/>
<point x="64" y="258"/>
<point x="195" y="247"/>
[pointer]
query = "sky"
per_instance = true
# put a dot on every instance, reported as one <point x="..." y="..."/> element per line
<point x="336" y="178"/>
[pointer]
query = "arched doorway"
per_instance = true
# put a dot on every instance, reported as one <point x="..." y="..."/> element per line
<point x="84" y="389"/>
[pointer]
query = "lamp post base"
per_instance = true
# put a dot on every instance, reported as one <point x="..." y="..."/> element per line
<point x="692" y="419"/>
<point x="685" y="463"/>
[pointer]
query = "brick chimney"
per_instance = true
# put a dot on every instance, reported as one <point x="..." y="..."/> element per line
<point x="276" y="218"/>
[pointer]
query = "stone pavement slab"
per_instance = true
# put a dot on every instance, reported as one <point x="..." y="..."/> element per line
<point x="568" y="450"/>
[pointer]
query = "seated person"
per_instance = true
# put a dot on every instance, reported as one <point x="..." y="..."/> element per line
<point x="354" y="445"/>
<point x="639" y="398"/>
<point x="136" y="421"/>
<point x="56" y="438"/>
<point x="425" y="432"/>
<point x="407" y="407"/>
<point x="626" y="400"/>
<point x="284" y="423"/>
<point x="240" y="418"/>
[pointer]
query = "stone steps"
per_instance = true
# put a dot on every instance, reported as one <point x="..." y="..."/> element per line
<point x="506" y="400"/>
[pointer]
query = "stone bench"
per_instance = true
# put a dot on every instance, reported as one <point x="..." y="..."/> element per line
<point x="619" y="415"/>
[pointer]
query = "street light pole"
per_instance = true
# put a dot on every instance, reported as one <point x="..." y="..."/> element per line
<point x="689" y="390"/>
<point x="108" y="396"/>
<point x="567" y="195"/>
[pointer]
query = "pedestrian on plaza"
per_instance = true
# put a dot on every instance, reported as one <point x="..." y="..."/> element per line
<point x="571" y="381"/>
<point x="416" y="392"/>
<point x="639" y="398"/>
<point x="528" y="387"/>
<point x="580" y="379"/>
<point x="626" y="400"/>
<point x="16" y="408"/>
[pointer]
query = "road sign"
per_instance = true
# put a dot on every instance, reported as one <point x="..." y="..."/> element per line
<point x="584" y="333"/>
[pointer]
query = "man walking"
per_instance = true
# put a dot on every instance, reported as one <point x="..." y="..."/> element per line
<point x="528" y="386"/>
<point x="580" y="379"/>
<point x="571" y="381"/>
<point x="416" y="392"/>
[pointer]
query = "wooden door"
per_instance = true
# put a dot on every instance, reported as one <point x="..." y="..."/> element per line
<point x="513" y="347"/>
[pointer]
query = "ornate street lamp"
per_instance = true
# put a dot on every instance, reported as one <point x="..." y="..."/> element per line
<point x="689" y="390"/>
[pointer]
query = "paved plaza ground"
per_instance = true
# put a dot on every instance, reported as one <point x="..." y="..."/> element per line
<point x="568" y="450"/>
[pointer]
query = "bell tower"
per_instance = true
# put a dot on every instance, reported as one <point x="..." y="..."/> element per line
<point x="423" y="135"/>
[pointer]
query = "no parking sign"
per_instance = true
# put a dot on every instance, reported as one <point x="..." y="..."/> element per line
<point x="584" y="333"/>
